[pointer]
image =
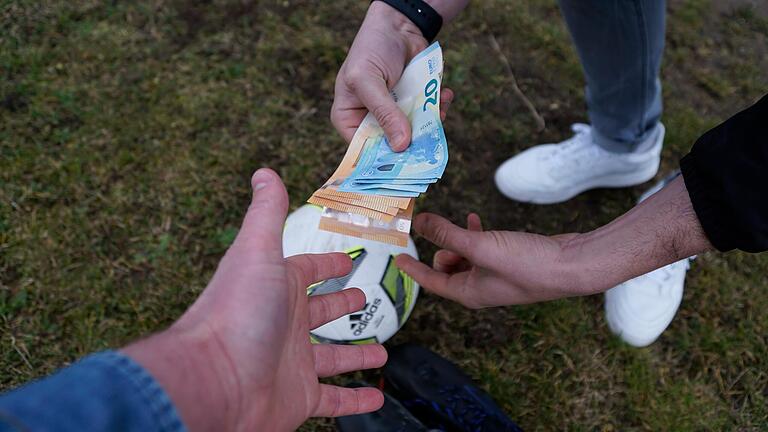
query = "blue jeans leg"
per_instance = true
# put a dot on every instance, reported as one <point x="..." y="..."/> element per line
<point x="620" y="44"/>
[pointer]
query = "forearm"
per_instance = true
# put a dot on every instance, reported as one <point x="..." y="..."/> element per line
<point x="725" y="172"/>
<point x="185" y="363"/>
<point x="660" y="230"/>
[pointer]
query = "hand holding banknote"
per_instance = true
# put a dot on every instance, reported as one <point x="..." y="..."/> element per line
<point x="371" y="194"/>
<point x="387" y="41"/>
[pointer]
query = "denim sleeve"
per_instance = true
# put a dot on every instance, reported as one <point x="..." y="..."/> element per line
<point x="107" y="391"/>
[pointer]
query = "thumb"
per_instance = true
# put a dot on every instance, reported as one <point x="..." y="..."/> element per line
<point x="262" y="227"/>
<point x="374" y="95"/>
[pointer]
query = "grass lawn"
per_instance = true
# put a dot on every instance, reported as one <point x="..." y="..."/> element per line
<point x="129" y="130"/>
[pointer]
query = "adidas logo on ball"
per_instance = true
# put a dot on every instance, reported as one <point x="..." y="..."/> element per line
<point x="358" y="322"/>
<point x="390" y="294"/>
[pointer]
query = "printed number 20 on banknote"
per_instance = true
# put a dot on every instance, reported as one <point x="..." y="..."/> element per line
<point x="418" y="96"/>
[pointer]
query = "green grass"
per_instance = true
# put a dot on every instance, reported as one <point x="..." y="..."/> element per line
<point x="129" y="130"/>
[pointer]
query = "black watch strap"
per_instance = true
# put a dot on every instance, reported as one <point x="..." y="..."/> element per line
<point x="421" y="14"/>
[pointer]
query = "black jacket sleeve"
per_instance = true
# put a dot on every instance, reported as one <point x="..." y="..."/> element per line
<point x="726" y="174"/>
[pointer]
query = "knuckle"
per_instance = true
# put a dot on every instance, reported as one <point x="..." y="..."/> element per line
<point x="468" y="299"/>
<point x="334" y="116"/>
<point x="270" y="203"/>
<point x="325" y="309"/>
<point x="337" y="358"/>
<point x="336" y="403"/>
<point x="356" y="405"/>
<point x="298" y="273"/>
<point x="384" y="114"/>
<point x="353" y="76"/>
<point x="498" y="238"/>
<point x="440" y="234"/>
<point x="312" y="272"/>
<point x="361" y="360"/>
<point x="293" y="273"/>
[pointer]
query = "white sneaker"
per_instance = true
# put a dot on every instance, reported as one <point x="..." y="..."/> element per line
<point x="640" y="309"/>
<point x="553" y="173"/>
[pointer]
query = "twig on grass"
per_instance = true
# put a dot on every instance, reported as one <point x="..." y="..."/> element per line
<point x="21" y="353"/>
<point x="540" y="124"/>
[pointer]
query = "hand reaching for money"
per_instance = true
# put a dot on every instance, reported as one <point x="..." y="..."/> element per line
<point x="240" y="358"/>
<point x="386" y="42"/>
<point x="494" y="268"/>
<point x="490" y="268"/>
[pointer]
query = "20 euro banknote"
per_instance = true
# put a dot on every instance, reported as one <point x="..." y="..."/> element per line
<point x="371" y="192"/>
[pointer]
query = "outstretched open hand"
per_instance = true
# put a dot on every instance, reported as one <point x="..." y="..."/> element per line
<point x="243" y="348"/>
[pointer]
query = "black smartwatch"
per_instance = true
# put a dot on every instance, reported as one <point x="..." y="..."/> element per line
<point x="421" y="14"/>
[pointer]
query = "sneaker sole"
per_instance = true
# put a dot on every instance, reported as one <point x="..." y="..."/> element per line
<point x="616" y="327"/>
<point x="607" y="181"/>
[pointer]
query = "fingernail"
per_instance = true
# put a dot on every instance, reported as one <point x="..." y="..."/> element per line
<point x="260" y="179"/>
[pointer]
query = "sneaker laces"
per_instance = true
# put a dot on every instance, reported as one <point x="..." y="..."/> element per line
<point x="578" y="129"/>
<point x="573" y="152"/>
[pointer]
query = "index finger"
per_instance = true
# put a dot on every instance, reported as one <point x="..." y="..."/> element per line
<point x="446" y="235"/>
<point x="451" y="287"/>
<point x="325" y="308"/>
<point x="445" y="260"/>
<point x="312" y="268"/>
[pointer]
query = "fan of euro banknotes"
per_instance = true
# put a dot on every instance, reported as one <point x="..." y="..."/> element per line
<point x="371" y="193"/>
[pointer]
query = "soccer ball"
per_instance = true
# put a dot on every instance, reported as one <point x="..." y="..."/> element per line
<point x="390" y="294"/>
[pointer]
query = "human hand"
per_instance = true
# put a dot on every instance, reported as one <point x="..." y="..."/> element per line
<point x="491" y="268"/>
<point x="385" y="43"/>
<point x="240" y="358"/>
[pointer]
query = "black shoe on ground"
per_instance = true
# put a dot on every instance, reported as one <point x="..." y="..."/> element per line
<point x="392" y="417"/>
<point x="439" y="394"/>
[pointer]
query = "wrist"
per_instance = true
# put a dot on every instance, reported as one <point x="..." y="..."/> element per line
<point x="189" y="366"/>
<point x="583" y="266"/>
<point x="568" y="272"/>
<point x="381" y="12"/>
